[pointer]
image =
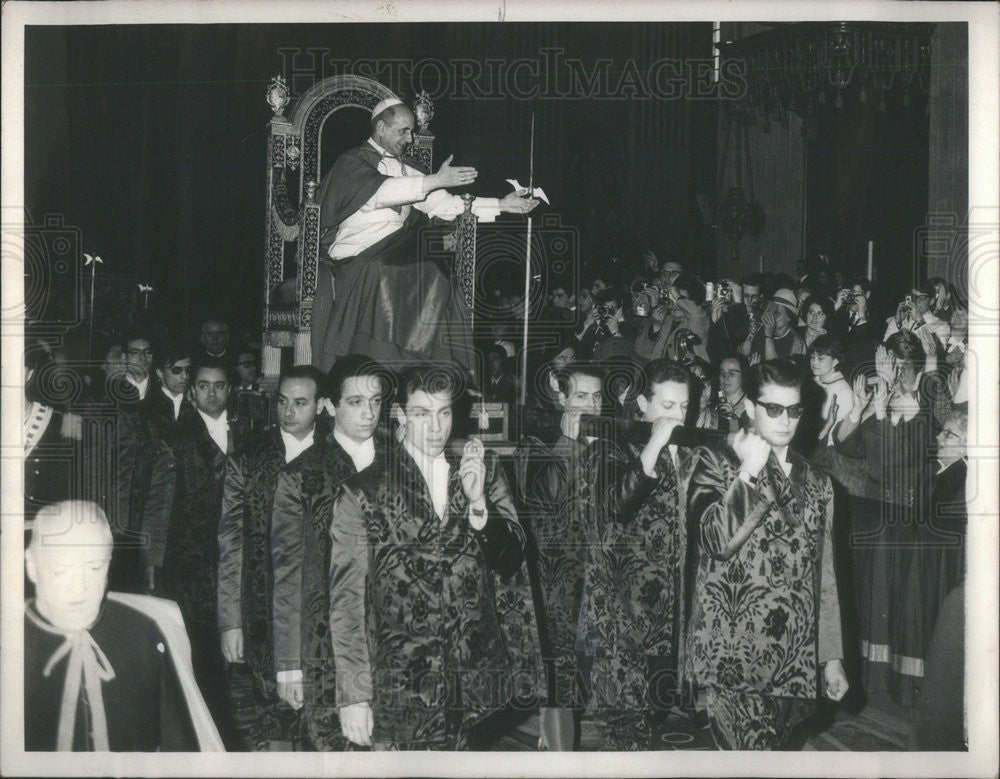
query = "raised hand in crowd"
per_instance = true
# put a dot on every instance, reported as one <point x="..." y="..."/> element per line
<point x="880" y="399"/>
<point x="768" y="323"/>
<point x="831" y="420"/>
<point x="885" y="365"/>
<point x="718" y="306"/>
<point x="754" y="358"/>
<point x="904" y="314"/>
<point x="861" y="303"/>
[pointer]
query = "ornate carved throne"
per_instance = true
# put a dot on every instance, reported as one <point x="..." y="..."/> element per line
<point x="294" y="155"/>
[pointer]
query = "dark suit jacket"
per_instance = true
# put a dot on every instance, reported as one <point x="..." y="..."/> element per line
<point x="300" y="556"/>
<point x="160" y="411"/>
<point x="420" y="616"/>
<point x="183" y="529"/>
<point x="245" y="577"/>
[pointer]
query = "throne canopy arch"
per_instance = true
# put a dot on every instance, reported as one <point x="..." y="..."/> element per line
<point x="309" y="113"/>
<point x="295" y="166"/>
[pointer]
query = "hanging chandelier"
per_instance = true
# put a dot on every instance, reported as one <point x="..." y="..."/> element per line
<point x="799" y="66"/>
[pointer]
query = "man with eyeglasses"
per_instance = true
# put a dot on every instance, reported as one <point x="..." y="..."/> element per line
<point x="137" y="349"/>
<point x="914" y="313"/>
<point x="765" y="628"/>
<point x="121" y="443"/>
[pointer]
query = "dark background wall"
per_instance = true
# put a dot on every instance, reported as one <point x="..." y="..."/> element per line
<point x="151" y="139"/>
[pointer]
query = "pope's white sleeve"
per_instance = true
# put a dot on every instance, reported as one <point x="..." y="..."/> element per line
<point x="444" y="205"/>
<point x="398" y="191"/>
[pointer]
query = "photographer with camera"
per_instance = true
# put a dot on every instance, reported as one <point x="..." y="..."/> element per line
<point x="853" y="313"/>
<point x="613" y="336"/>
<point x="686" y="296"/>
<point x="652" y="308"/>
<point x="914" y="314"/>
<point x="730" y="317"/>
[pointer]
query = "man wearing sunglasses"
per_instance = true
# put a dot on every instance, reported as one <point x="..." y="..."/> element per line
<point x="765" y="627"/>
<point x="167" y="404"/>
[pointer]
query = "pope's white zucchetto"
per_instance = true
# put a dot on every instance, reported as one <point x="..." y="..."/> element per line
<point x="381" y="105"/>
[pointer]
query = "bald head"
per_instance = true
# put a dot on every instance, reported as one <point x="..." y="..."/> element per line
<point x="68" y="560"/>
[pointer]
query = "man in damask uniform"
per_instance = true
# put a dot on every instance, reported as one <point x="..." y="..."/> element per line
<point x="430" y="609"/>
<point x="300" y="544"/>
<point x="555" y="487"/>
<point x="246" y="579"/>
<point x="764" y="635"/>
<point x="632" y="615"/>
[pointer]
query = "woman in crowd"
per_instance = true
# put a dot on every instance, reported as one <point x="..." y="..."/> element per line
<point x="732" y="401"/>
<point x="943" y="302"/>
<point x="542" y="410"/>
<point x="817" y="311"/>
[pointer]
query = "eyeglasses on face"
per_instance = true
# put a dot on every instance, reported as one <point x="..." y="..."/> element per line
<point x="774" y="410"/>
<point x="140" y="352"/>
<point x="727" y="374"/>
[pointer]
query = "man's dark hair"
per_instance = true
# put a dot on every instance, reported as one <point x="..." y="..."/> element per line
<point x="210" y="362"/>
<point x="305" y="372"/>
<point x="661" y="371"/>
<point x="860" y="281"/>
<point x="608" y="295"/>
<point x="694" y="289"/>
<point x="432" y="378"/>
<point x="564" y="375"/>
<point x="138" y="335"/>
<point x="907" y="348"/>
<point x="171" y="351"/>
<point x="829" y="345"/>
<point x="351" y="366"/>
<point x="781" y="372"/>
<point x="752" y="280"/>
<point x="785" y="281"/>
<point x="387" y="115"/>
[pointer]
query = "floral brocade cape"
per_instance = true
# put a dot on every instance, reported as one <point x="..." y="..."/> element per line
<point x="754" y="624"/>
<point x="446" y="636"/>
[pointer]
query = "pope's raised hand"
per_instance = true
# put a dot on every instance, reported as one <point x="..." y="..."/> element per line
<point x="448" y="176"/>
<point x="516" y="204"/>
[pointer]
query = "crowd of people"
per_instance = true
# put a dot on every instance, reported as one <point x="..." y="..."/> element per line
<point x="724" y="501"/>
<point x="713" y="504"/>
